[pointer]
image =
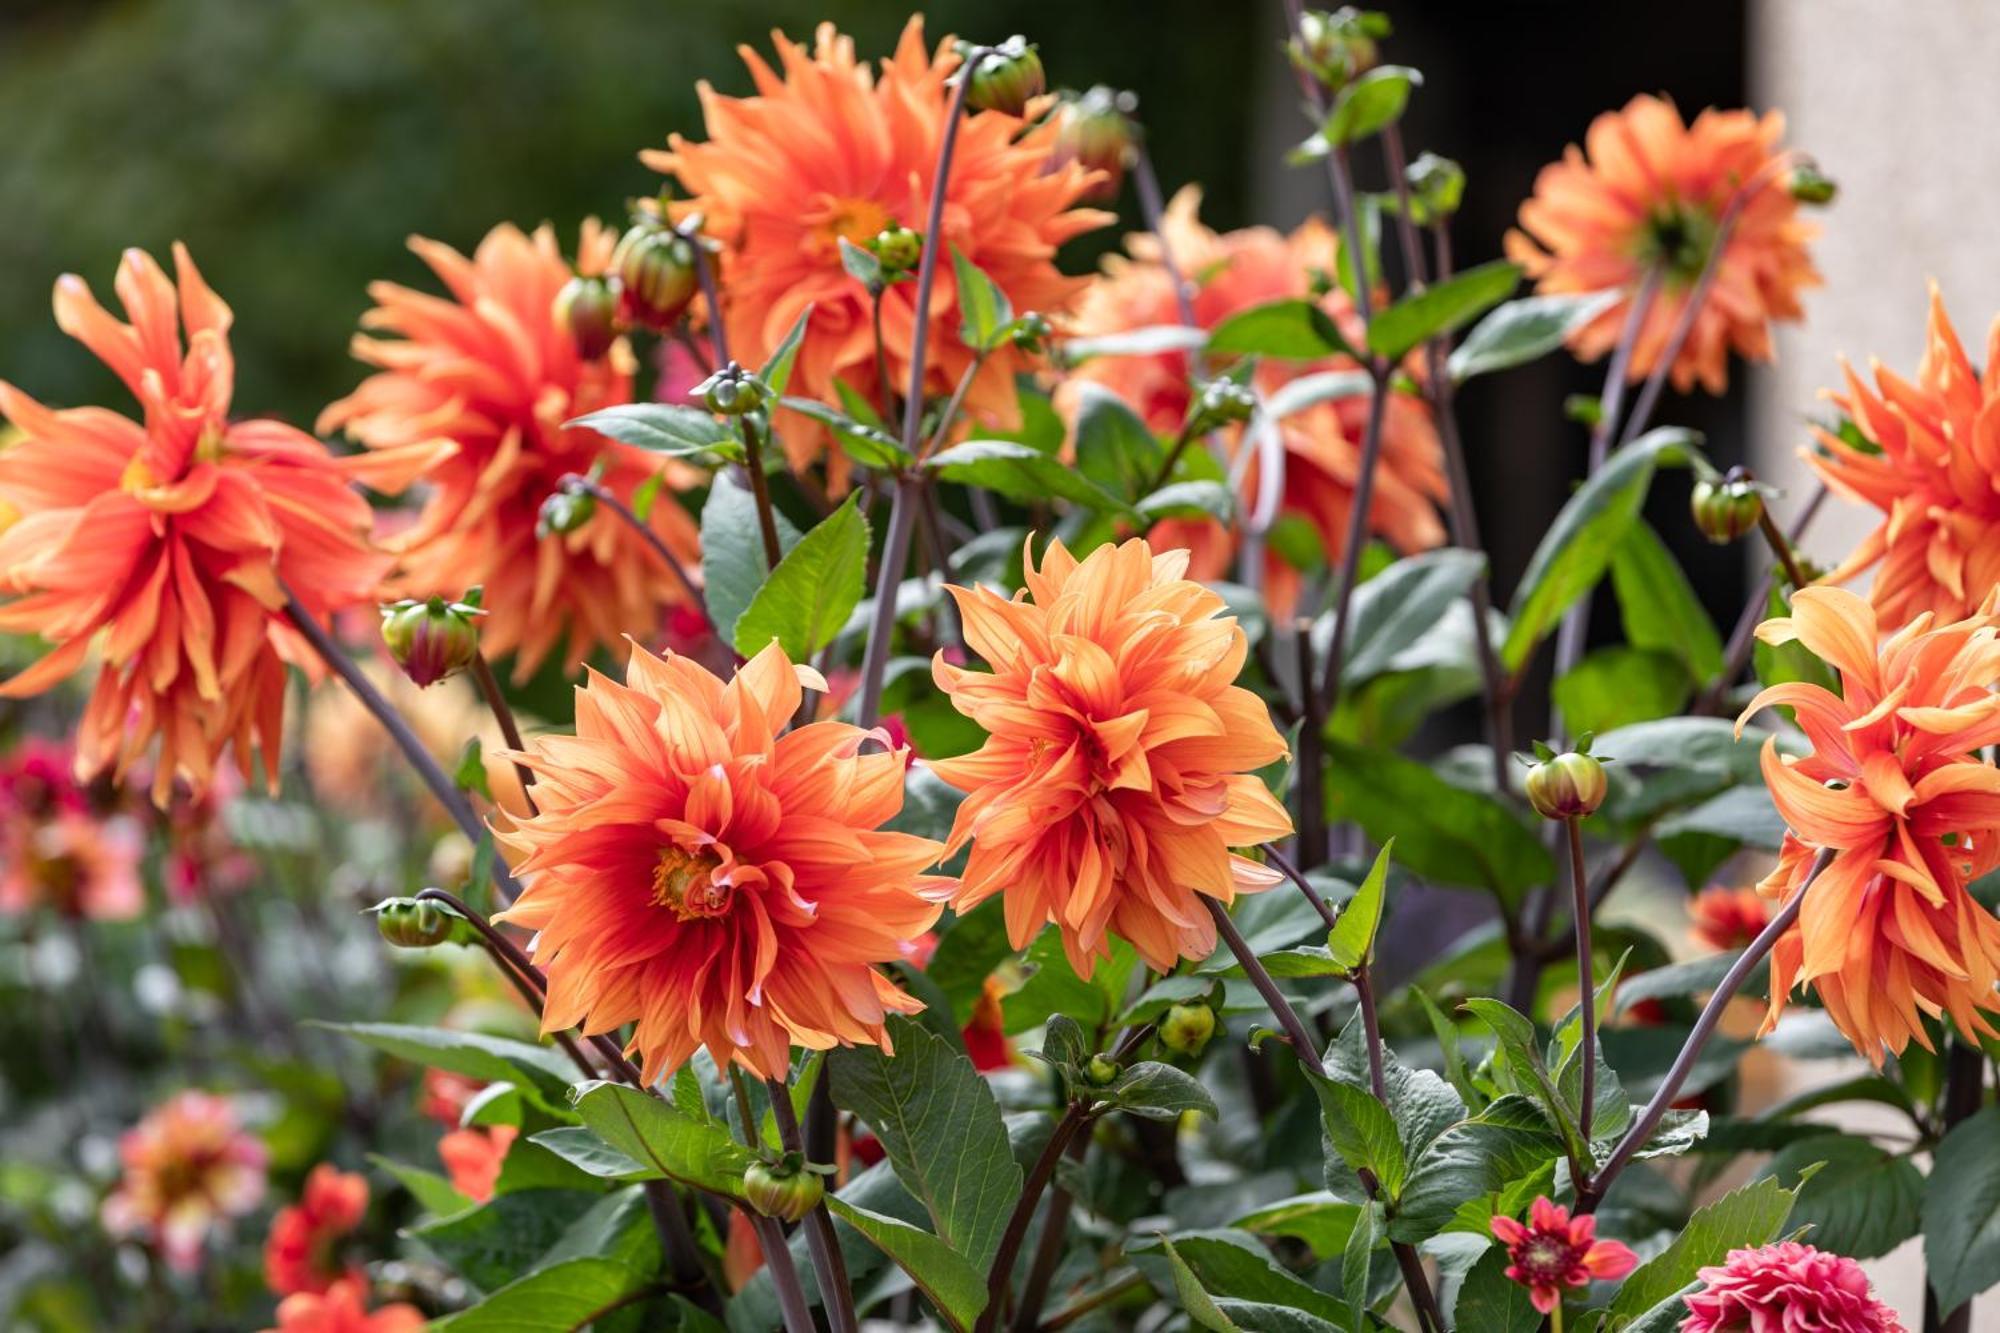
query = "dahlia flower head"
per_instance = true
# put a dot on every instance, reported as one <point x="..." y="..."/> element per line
<point x="492" y="370"/>
<point x="1228" y="273"/>
<point x="1553" y="1251"/>
<point x="1935" y="451"/>
<point x="1729" y="918"/>
<point x="1895" y="789"/>
<point x="1649" y="191"/>
<point x="189" y="1168"/>
<point x="826" y="150"/>
<point x="343" y="1308"/>
<point x="301" y="1253"/>
<point x="171" y="542"/>
<point x="713" y="878"/>
<point x="1120" y="760"/>
<point x="1787" y="1288"/>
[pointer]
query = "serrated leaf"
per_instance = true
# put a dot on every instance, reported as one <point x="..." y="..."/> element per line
<point x="809" y="596"/>
<point x="540" y="1072"/>
<point x="940" y="1272"/>
<point x="431" y="1190"/>
<point x="1292" y="330"/>
<point x="1157" y="1092"/>
<point x="1517" y="332"/>
<point x="1619" y="685"/>
<point x="984" y="309"/>
<point x="777" y="372"/>
<point x="493" y="1244"/>
<point x="1491" y="1302"/>
<point x="1238" y="1272"/>
<point x="1510" y="1140"/>
<point x="1356" y="1260"/>
<point x="669" y="429"/>
<point x="1197" y="499"/>
<point x="732" y="551"/>
<point x="1322" y="1219"/>
<point x="1659" y="607"/>
<point x="670" y="1144"/>
<point x="1861" y="1202"/>
<point x="1362" y="1132"/>
<point x="562" y="1297"/>
<point x="1398" y="606"/>
<point x="866" y="443"/>
<point x="1961" y="1211"/>
<point x="582" y="1148"/>
<point x="1021" y="473"/>
<point x="1352" y="939"/>
<point x="1440" y="308"/>
<point x="1744" y="1219"/>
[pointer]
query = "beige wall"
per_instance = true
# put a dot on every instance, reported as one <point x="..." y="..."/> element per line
<point x="1901" y="104"/>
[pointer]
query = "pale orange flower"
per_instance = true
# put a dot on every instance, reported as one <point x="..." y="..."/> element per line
<point x="473" y="1156"/>
<point x="300" y="1253"/>
<point x="170" y="540"/>
<point x="825" y="150"/>
<point x="1895" y="788"/>
<point x="1647" y="190"/>
<point x="1937" y="450"/>
<point x="189" y="1167"/>
<point x="717" y="883"/>
<point x="1231" y="272"/>
<point x="492" y="370"/>
<point x="73" y="863"/>
<point x="1118" y="768"/>
<point x="343" y="1308"/>
<point x="1726" y="918"/>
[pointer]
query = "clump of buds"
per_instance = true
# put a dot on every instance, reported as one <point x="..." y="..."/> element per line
<point x="1809" y="185"/>
<point x="1186" y="1028"/>
<point x="1096" y="129"/>
<point x="1221" y="402"/>
<point x="1336" y="47"/>
<point x="657" y="275"/>
<point x="1005" y="78"/>
<point x="1726" y="508"/>
<point x="786" y="1189"/>
<point x="1569" y="785"/>
<point x="897" y="249"/>
<point x="431" y="638"/>
<point x="587" y="308"/>
<point x="413" y="923"/>
<point x="1031" y="333"/>
<point x="731" y="391"/>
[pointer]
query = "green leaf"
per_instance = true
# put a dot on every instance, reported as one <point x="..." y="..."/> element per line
<point x="813" y="590"/>
<point x="1362" y="1131"/>
<point x="1369" y="103"/>
<point x="1115" y="449"/>
<point x="1237" y="1270"/>
<point x="1616" y="686"/>
<point x="432" y="1191"/>
<point x="1961" y="1211"/>
<point x="1659" y="607"/>
<point x="1157" y="1092"/>
<point x="1397" y="607"/>
<point x="777" y="372"/>
<point x="732" y="551"/>
<point x="984" y="307"/>
<point x="671" y="1143"/>
<point x="1196" y="499"/>
<point x="1152" y="340"/>
<point x="1291" y="330"/>
<point x="940" y="1272"/>
<point x="1322" y="1219"/>
<point x="866" y="443"/>
<point x="540" y="1072"/>
<point x="1443" y="833"/>
<point x="1741" y="814"/>
<point x="941" y="1128"/>
<point x="664" y="428"/>
<point x="491" y="1245"/>
<point x="1199" y="1305"/>
<point x="1521" y="331"/>
<point x="1862" y="1201"/>
<point x="1442" y="308"/>
<point x="1352" y="939"/>
<point x="1491" y="1302"/>
<point x="1021" y="473"/>
<point x="1509" y="1141"/>
<point x="861" y="265"/>
<point x="581" y="1147"/>
<point x="1745" y="1219"/>
<point x="968" y="951"/>
<point x="1578" y="546"/>
<point x="564" y="1297"/>
<point x="1053" y="987"/>
<point x="1357" y="1258"/>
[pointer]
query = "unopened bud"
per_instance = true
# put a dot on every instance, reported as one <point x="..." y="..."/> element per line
<point x="655" y="266"/>
<point x="1187" y="1028"/>
<point x="564" y="512"/>
<point x="1031" y="332"/>
<point x="1725" y="510"/>
<point x="1437" y="185"/>
<point x="896" y="248"/>
<point x="1809" y="186"/>
<point x="1005" y="78"/>
<point x="432" y="638"/>
<point x="1096" y="130"/>
<point x="731" y="391"/>
<point x="1566" y="786"/>
<point x="1334" y="48"/>
<point x="587" y="309"/>
<point x="413" y="923"/>
<point x="1221" y="402"/>
<point x="1102" y="1070"/>
<point x="784" y="1190"/>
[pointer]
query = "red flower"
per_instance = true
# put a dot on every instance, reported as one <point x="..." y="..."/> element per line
<point x="344" y="1309"/>
<point x="1785" y="1288"/>
<point x="473" y="1158"/>
<point x="1555" y="1250"/>
<point x="300" y="1252"/>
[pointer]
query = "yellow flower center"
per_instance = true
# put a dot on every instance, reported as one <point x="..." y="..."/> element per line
<point x="138" y="478"/>
<point x="684" y="884"/>
<point x="857" y="221"/>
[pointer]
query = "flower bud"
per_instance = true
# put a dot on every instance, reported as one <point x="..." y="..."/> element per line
<point x="1566" y="786"/>
<point x="1437" y="185"/>
<point x="411" y="923"/>
<point x="1102" y="1070"/>
<point x="784" y="1190"/>
<point x="1809" y="186"/>
<point x="1334" y="48"/>
<point x="655" y="267"/>
<point x="896" y="248"/>
<point x="731" y="391"/>
<point x="1725" y="510"/>
<point x="587" y="308"/>
<point x="1031" y="332"/>
<point x="564" y="512"/>
<point x="1096" y="130"/>
<point x="1005" y="78"/>
<point x="431" y="639"/>
<point x="1220" y="403"/>
<point x="1187" y="1028"/>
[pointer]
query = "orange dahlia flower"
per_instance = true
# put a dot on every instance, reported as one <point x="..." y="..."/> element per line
<point x="1231" y="272"/>
<point x="343" y="1308"/>
<point x="473" y="1157"/>
<point x="1894" y="787"/>
<point x="1648" y="191"/>
<point x="495" y="372"/>
<point x="825" y="151"/>
<point x="188" y="1168"/>
<point x="1118" y="768"/>
<point x="300" y="1253"/>
<point x="1936" y="451"/>
<point x="717" y="883"/>
<point x="171" y="540"/>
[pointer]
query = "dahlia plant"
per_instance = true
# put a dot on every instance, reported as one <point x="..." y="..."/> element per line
<point x="977" y="878"/>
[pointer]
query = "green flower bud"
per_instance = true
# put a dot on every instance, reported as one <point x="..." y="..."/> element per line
<point x="1220" y="403"/>
<point x="1005" y="78"/>
<point x="785" y="1189"/>
<point x="896" y="248"/>
<point x="1031" y="332"/>
<point x="1096" y="130"/>
<point x="1102" y="1070"/>
<point x="1437" y="185"/>
<point x="1566" y="786"/>
<point x="657" y="277"/>
<point x="1187" y="1028"/>
<point x="565" y="512"/>
<point x="1725" y="510"/>
<point x="411" y="923"/>
<point x="731" y="391"/>
<point x="1809" y="186"/>
<point x="587" y="308"/>
<point x="433" y="638"/>
<point x="1336" y="47"/>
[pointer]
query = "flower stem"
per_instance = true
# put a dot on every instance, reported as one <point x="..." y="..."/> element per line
<point x="602" y="494"/>
<point x="760" y="489"/>
<point x="883" y="386"/>
<point x="510" y="730"/>
<point x="1586" y="977"/>
<point x="1592" y="1192"/>
<point x="829" y="1265"/>
<point x="718" y="337"/>
<point x="1357" y="538"/>
<point x="792" y="1303"/>
<point x="903" y="503"/>
<point x="1000" y="1275"/>
<point x="1048" y="1249"/>
<point x="1782" y="549"/>
<point x="1152" y="207"/>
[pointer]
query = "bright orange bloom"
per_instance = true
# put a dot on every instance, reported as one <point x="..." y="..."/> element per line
<point x="175" y="536"/>
<point x="300" y="1253"/>
<point x="1231" y="272"/>
<point x="1119" y="766"/>
<point x="1647" y="191"/>
<point x="826" y="151"/>
<point x="1937" y="450"/>
<point x="473" y="1157"/>
<point x="1554" y="1251"/>
<point x="343" y="1308"/>
<point x="495" y="372"/>
<point x="719" y="884"/>
<point x="1895" y="788"/>
<point x="1726" y="918"/>
<point x="188" y="1168"/>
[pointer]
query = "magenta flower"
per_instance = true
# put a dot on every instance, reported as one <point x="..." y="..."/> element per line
<point x="1787" y="1288"/>
<point x="1554" y="1251"/>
